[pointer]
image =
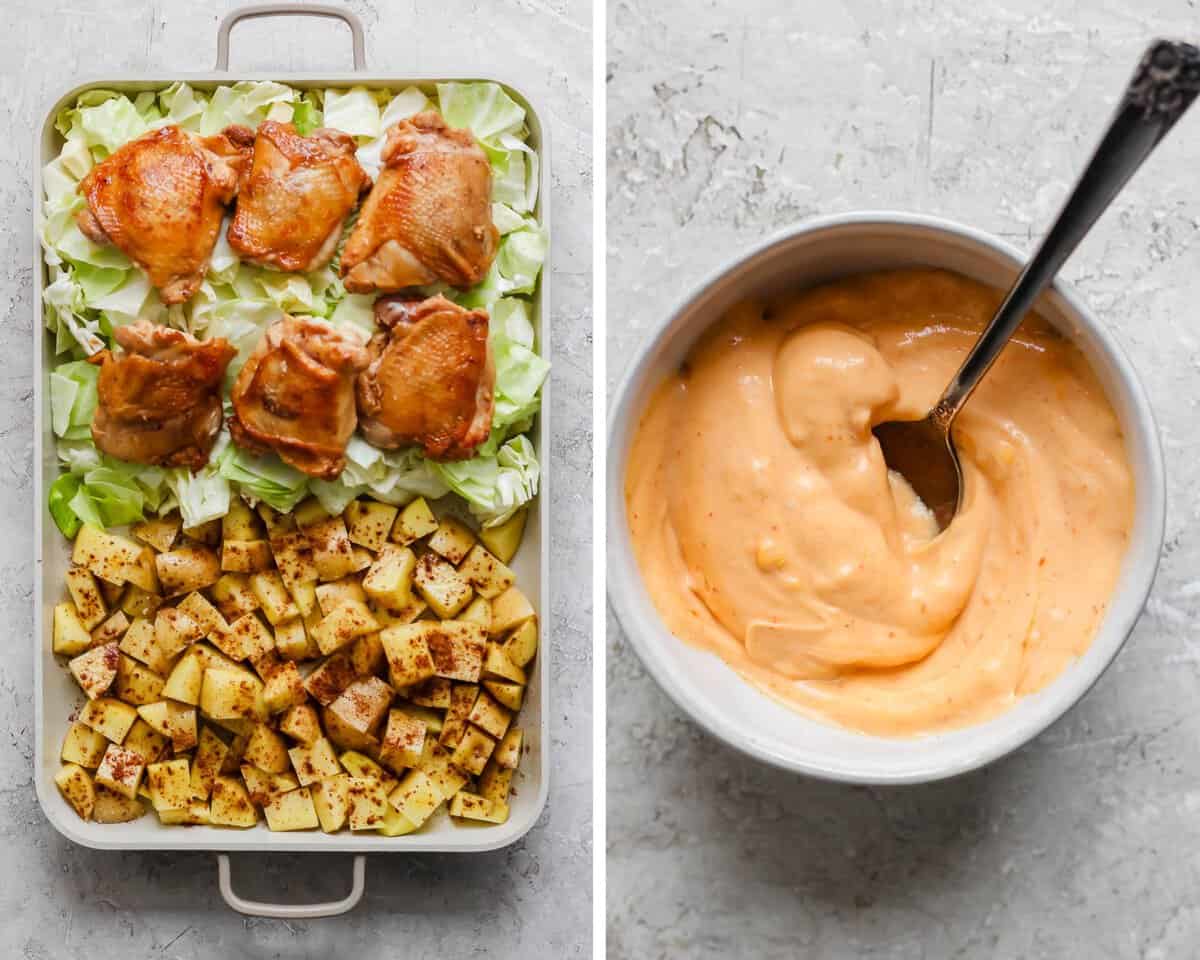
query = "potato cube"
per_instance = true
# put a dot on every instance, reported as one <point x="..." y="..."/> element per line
<point x="332" y="551"/>
<point x="388" y="581"/>
<point x="489" y="716"/>
<point x="212" y="659"/>
<point x="361" y="559"/>
<point x="403" y="740"/>
<point x="234" y="596"/>
<point x="70" y="635"/>
<point x="292" y="641"/>
<point x="497" y="666"/>
<point x="141" y="642"/>
<point x="240" y="521"/>
<point x="136" y="682"/>
<point x="415" y="521"/>
<point x="507" y="694"/>
<point x="226" y="694"/>
<point x="230" y="805"/>
<point x="111" y="629"/>
<point x="143" y="572"/>
<point x="111" y="807"/>
<point x="96" y="669"/>
<point x="395" y="824"/>
<point x="207" y="533"/>
<point x="453" y="540"/>
<point x="310" y="513"/>
<point x="367" y="656"/>
<point x="363" y="704"/>
<point x="331" y="799"/>
<point x="89" y="602"/>
<point x="284" y="688"/>
<point x="206" y="765"/>
<point x="473" y="751"/>
<point x="479" y="612"/>
<point x="211" y="622"/>
<point x="246" y="556"/>
<point x="368" y="803"/>
<point x="195" y="813"/>
<point x="186" y="679"/>
<point x="174" y="630"/>
<point x="369" y="522"/>
<point x="301" y="723"/>
<point x="417" y="796"/>
<point x="293" y="810"/>
<point x="441" y="586"/>
<point x="109" y="717"/>
<point x="434" y="692"/>
<point x="160" y="533"/>
<point x="495" y="782"/>
<point x="111" y="592"/>
<point x="176" y="721"/>
<point x="315" y="762"/>
<point x="170" y="784"/>
<point x="406" y="647"/>
<point x="333" y="676"/>
<point x="457" y="649"/>
<point x="294" y="558"/>
<point x="274" y="521"/>
<point x="305" y="597"/>
<point x="266" y="750"/>
<point x="186" y="568"/>
<point x="136" y="602"/>
<point x="462" y="701"/>
<point x="510" y="609"/>
<point x="145" y="741"/>
<point x="83" y="745"/>
<point x="75" y="784"/>
<point x="120" y="770"/>
<point x="471" y="806"/>
<point x="521" y="645"/>
<point x="273" y="597"/>
<point x="248" y="638"/>
<point x="360" y="765"/>
<point x="106" y="555"/>
<point x="504" y="539"/>
<point x="351" y="619"/>
<point x="508" y="754"/>
<point x="388" y="616"/>
<point x="332" y="595"/>
<point x="262" y="786"/>
<point x="486" y="573"/>
<point x="437" y="765"/>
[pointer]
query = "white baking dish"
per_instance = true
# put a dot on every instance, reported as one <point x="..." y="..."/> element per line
<point x="56" y="695"/>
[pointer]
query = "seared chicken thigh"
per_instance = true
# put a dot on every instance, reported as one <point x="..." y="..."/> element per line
<point x="295" y="196"/>
<point x="429" y="216"/>
<point x="160" y="198"/>
<point x="430" y="379"/>
<point x="295" y="395"/>
<point x="160" y="399"/>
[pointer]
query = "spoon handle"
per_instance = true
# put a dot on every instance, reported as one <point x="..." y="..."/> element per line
<point x="1163" y="87"/>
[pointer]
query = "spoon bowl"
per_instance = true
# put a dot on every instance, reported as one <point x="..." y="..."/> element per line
<point x="922" y="452"/>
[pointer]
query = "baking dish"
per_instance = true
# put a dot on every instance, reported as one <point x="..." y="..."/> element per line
<point x="55" y="695"/>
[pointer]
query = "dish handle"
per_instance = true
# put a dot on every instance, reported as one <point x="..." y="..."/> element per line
<point x="290" y="10"/>
<point x="292" y="911"/>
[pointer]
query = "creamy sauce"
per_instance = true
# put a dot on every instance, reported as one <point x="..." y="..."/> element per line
<point x="769" y="531"/>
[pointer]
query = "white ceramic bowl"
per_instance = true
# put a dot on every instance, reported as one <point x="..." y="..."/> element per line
<point x="715" y="696"/>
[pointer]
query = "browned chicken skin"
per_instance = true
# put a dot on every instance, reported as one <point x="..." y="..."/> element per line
<point x="160" y="399"/>
<point x="160" y="198"/>
<point x="430" y="379"/>
<point x="295" y="196"/>
<point x="295" y="395"/>
<point x="429" y="216"/>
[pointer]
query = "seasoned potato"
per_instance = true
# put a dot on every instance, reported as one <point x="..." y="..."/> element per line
<point x="408" y="656"/>
<point x="96" y="669"/>
<point x="197" y="607"/>
<point x="473" y="751"/>
<point x="136" y="602"/>
<point x="262" y="786"/>
<point x="273" y="597"/>
<point x="195" y="813"/>
<point x="453" y="540"/>
<point x="141" y="642"/>
<point x="108" y="716"/>
<point x="160" y="533"/>
<point x="333" y="676"/>
<point x="207" y="533"/>
<point x="332" y="552"/>
<point x="315" y="762"/>
<point x="174" y="630"/>
<point x="507" y="693"/>
<point x="137" y="683"/>
<point x="246" y="639"/>
<point x="230" y="805"/>
<point x="495" y="781"/>
<point x="71" y="637"/>
<point x="228" y="695"/>
<point x="367" y="656"/>
<point x="354" y="717"/>
<point x="292" y="641"/>
<point x="462" y="701"/>
<point x="478" y="611"/>
<point x="471" y="806"/>
<point x="359" y="765"/>
<point x="145" y="741"/>
<point x="107" y="555"/>
<point x="176" y="721"/>
<point x="240" y="523"/>
<point x="284" y="687"/>
<point x="434" y="692"/>
<point x="441" y="586"/>
<point x="90" y="608"/>
<point x="508" y="754"/>
<point x="186" y="568"/>
<point x="111" y="807"/>
<point x="489" y="716"/>
<point x="497" y="666"/>
<point x="388" y="581"/>
<point x="274" y="521"/>
<point x="457" y="649"/>
<point x="486" y="573"/>
<point x="246" y="556"/>
<point x="294" y="558"/>
<point x="83" y="745"/>
<point x="120" y="770"/>
<point x="170" y="784"/>
<point x="301" y="723"/>
<point x="75" y="784"/>
<point x="510" y="609"/>
<point x="266" y="750"/>
<point x="417" y="796"/>
<point x="521" y="645"/>
<point x="331" y="799"/>
<point x="504" y="539"/>
<point x="369" y="522"/>
<point x="350" y="620"/>
<point x="403" y="740"/>
<point x="368" y="803"/>
<point x="111" y="629"/>
<point x="211" y="751"/>
<point x="415" y="521"/>
<point x="143" y="572"/>
<point x="234" y="596"/>
<point x="186" y="679"/>
<point x="291" y="811"/>
<point x="332" y="595"/>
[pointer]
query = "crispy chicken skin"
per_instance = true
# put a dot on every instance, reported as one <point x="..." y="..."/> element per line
<point x="294" y="197"/>
<point x="430" y="378"/>
<point x="160" y="198"/>
<point x="429" y="216"/>
<point x="160" y="398"/>
<point x="295" y="395"/>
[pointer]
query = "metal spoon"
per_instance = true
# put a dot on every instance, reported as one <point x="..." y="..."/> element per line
<point x="1166" y="82"/>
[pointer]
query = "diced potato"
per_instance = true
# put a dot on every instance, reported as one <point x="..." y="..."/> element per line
<point x="441" y="586"/>
<point x="367" y="656"/>
<point x="354" y="717"/>
<point x="434" y="692"/>
<point x="462" y="701"/>
<point x="294" y="558"/>
<point x="495" y="782"/>
<point x="305" y="597"/>
<point x="497" y="666"/>
<point x="453" y="540"/>
<point x="111" y="629"/>
<point x="196" y="606"/>
<point x="83" y="745"/>
<point x="262" y="786"/>
<point x="141" y="642"/>
<point x="507" y="693"/>
<point x="415" y="521"/>
<point x="489" y="716"/>
<point x="145" y="741"/>
<point x="143" y="572"/>
<point x="234" y="596"/>
<point x="195" y="813"/>
<point x="212" y="659"/>
<point x="170" y="784"/>
<point x="437" y="765"/>
<point x="185" y="679"/>
<point x="457" y="648"/>
<point x="284" y="688"/>
<point x="160" y="532"/>
<point x="96" y="669"/>
<point x="266" y="750"/>
<point x="309" y="513"/>
<point x="508" y="754"/>
<point x="388" y="581"/>
<point x="417" y="796"/>
<point x="70" y="635"/>
<point x="111" y="592"/>
<point x="227" y="695"/>
<point x="207" y="533"/>
<point x="230" y="805"/>
<point x="361" y="559"/>
<point x="504" y="539"/>
<point x="369" y="522"/>
<point x="136" y="682"/>
<point x="521" y="645"/>
<point x="389" y="617"/>
<point x="120" y="770"/>
<point x="315" y="762"/>
<point x="292" y="641"/>
<point x="473" y="751"/>
<point x="107" y="555"/>
<point x="206" y="765"/>
<point x="509" y="610"/>
<point x="240" y="522"/>
<point x="247" y="639"/>
<point x="368" y="803"/>
<point x="186" y="568"/>
<point x="332" y="595"/>
<point x="136" y="602"/>
<point x="109" y="717"/>
<point x="176" y="721"/>
<point x="333" y="676"/>
<point x="75" y="784"/>
<point x="471" y="806"/>
<point x="486" y="573"/>
<point x="395" y="824"/>
<point x="111" y="807"/>
<point x="333" y="554"/>
<point x="174" y="630"/>
<point x="277" y="604"/>
<point x="478" y="611"/>
<point x="246" y="556"/>
<point x="331" y="798"/>
<point x="403" y="740"/>
<point x="89" y="602"/>
<point x="351" y="619"/>
<point x="291" y="811"/>
<point x="359" y="765"/>
<point x="406" y="647"/>
<point x="301" y="723"/>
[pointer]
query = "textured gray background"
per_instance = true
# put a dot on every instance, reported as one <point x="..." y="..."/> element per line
<point x="727" y="121"/>
<point x="60" y="901"/>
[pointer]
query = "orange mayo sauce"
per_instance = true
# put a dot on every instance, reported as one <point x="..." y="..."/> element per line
<point x="769" y="531"/>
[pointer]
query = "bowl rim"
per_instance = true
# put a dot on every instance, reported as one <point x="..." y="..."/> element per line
<point x="623" y="580"/>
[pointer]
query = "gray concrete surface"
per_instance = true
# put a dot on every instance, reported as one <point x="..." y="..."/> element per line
<point x="58" y="901"/>
<point x="727" y="121"/>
